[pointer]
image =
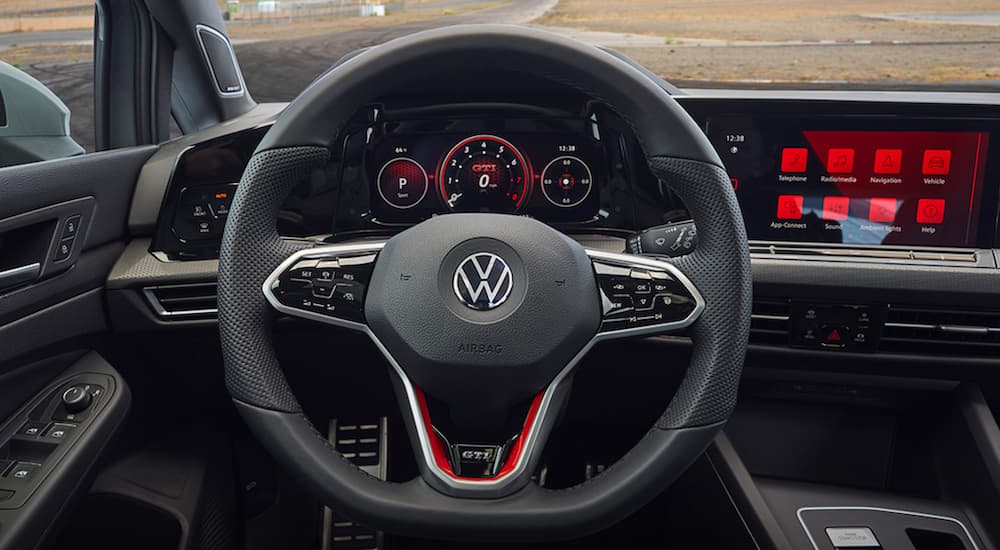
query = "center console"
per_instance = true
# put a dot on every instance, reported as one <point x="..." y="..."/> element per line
<point x="863" y="464"/>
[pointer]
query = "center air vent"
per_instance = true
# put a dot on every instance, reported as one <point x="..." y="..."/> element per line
<point x="183" y="301"/>
<point x="941" y="331"/>
<point x="769" y="322"/>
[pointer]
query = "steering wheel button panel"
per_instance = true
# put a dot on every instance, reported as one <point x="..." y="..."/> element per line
<point x="643" y="293"/>
<point x="331" y="284"/>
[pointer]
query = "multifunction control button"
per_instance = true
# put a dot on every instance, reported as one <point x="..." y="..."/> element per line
<point x="334" y="287"/>
<point x="637" y="296"/>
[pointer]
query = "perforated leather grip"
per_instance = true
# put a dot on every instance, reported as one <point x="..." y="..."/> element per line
<point x="720" y="269"/>
<point x="251" y="250"/>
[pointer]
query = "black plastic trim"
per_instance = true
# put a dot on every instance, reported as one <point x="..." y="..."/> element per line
<point x="65" y="473"/>
<point x="415" y="508"/>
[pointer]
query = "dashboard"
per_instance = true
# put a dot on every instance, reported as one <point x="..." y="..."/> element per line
<point x="872" y="218"/>
<point x="812" y="178"/>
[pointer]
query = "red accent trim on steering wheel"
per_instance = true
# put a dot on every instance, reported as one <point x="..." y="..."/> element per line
<point x="441" y="452"/>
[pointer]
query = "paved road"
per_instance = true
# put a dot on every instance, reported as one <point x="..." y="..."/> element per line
<point x="279" y="70"/>
<point x="83" y="36"/>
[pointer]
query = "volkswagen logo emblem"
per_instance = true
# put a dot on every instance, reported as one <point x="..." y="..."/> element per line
<point x="483" y="281"/>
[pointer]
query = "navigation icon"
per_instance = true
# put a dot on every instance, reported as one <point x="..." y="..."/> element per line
<point x="888" y="161"/>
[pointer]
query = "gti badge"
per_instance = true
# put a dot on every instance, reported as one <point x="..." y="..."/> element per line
<point x="483" y="281"/>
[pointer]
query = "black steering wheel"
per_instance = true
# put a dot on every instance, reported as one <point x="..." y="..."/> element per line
<point x="457" y="305"/>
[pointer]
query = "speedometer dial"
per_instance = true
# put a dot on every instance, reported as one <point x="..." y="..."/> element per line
<point x="484" y="174"/>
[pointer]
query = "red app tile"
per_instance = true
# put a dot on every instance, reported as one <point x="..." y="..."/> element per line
<point x="840" y="161"/>
<point x="836" y="208"/>
<point x="888" y="161"/>
<point x="937" y="162"/>
<point x="882" y="210"/>
<point x="930" y="211"/>
<point x="789" y="207"/>
<point x="794" y="159"/>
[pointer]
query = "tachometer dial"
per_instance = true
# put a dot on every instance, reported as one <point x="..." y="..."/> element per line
<point x="566" y="181"/>
<point x="484" y="174"/>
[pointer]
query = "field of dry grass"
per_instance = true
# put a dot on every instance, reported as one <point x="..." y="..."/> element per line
<point x="33" y="54"/>
<point x="771" y="19"/>
<point x="933" y="53"/>
<point x="18" y="6"/>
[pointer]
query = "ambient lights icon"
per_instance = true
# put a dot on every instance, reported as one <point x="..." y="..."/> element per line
<point x="882" y="210"/>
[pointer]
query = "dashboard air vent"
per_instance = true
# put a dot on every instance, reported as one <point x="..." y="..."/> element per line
<point x="941" y="331"/>
<point x="183" y="301"/>
<point x="769" y="322"/>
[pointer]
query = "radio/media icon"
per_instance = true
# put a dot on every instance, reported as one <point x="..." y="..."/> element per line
<point x="930" y="211"/>
<point x="790" y="207"/>
<point x="882" y="210"/>
<point x="794" y="159"/>
<point x="840" y="161"/>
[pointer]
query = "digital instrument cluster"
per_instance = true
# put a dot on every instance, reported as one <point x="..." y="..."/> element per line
<point x="551" y="175"/>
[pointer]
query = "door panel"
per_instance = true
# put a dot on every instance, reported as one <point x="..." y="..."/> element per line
<point x="36" y="203"/>
<point x="62" y="227"/>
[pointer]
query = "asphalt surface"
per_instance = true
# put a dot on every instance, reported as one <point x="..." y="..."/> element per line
<point x="83" y="36"/>
<point x="279" y="70"/>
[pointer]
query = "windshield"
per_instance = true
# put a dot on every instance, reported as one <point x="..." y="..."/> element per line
<point x="283" y="45"/>
<point x="878" y="44"/>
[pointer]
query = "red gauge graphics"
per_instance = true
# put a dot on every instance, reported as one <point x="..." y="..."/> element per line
<point x="484" y="174"/>
<point x="402" y="183"/>
<point x="566" y="181"/>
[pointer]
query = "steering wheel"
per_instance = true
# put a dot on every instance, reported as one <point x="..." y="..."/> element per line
<point x="483" y="317"/>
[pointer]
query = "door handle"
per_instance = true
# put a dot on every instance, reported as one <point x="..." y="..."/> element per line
<point x="10" y="278"/>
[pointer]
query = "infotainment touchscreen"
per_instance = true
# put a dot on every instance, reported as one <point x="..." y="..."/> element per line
<point x="800" y="181"/>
